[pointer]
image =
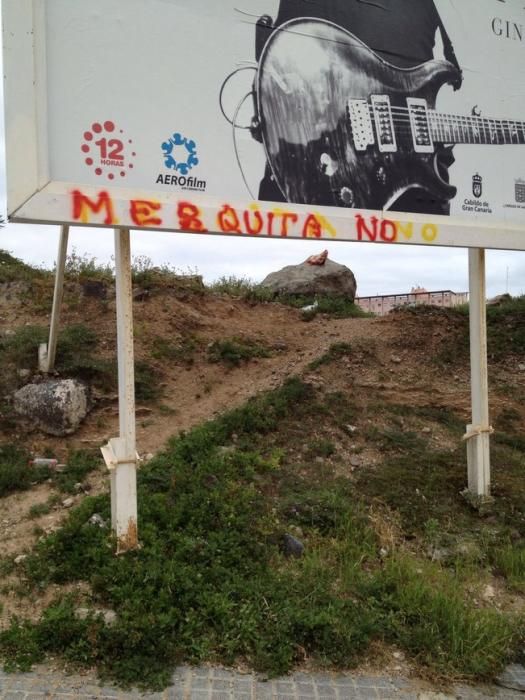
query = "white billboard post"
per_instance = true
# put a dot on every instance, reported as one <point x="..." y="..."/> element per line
<point x="197" y="116"/>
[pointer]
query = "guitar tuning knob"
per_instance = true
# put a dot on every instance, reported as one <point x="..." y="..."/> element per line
<point x="347" y="196"/>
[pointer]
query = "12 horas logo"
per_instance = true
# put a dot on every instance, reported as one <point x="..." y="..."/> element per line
<point x="181" y="157"/>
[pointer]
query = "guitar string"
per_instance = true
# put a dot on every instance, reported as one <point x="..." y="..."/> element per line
<point x="485" y="127"/>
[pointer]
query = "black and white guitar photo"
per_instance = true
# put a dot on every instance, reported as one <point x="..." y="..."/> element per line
<point x="341" y="126"/>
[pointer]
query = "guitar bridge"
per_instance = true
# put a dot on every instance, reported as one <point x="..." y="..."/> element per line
<point x="386" y="135"/>
<point x="361" y="123"/>
<point x="420" y="125"/>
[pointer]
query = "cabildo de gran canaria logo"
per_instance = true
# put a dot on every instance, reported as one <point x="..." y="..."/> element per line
<point x="180" y="156"/>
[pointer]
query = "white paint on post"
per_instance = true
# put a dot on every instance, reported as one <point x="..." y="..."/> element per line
<point x="478" y="433"/>
<point x="120" y="454"/>
<point x="47" y="354"/>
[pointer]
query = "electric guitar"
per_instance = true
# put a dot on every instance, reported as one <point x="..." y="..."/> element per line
<point x="343" y="127"/>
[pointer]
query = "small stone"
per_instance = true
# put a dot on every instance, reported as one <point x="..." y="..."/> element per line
<point x="292" y="547"/>
<point x="280" y="345"/>
<point x="148" y="457"/>
<point x="356" y="461"/>
<point x="319" y="460"/>
<point x="351" y="429"/>
<point x="439" y="553"/>
<point x="521" y="368"/>
<point x="383" y="552"/>
<point x="396" y="360"/>
<point x="399" y="655"/>
<point x="488" y="592"/>
<point x="68" y="502"/>
<point x="97" y="519"/>
<point x="426" y="431"/>
<point x="24" y="373"/>
<point x="20" y="558"/>
<point x="78" y="487"/>
<point x="109" y="616"/>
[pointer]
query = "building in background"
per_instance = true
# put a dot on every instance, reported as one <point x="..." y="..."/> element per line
<point x="383" y="304"/>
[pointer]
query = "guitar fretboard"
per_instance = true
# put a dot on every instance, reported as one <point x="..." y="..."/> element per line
<point x="450" y="128"/>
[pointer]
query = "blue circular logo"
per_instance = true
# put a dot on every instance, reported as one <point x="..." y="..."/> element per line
<point x="180" y="154"/>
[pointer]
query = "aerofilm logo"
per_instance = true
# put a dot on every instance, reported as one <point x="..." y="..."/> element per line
<point x="180" y="156"/>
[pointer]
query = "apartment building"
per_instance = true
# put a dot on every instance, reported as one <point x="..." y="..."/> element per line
<point x="383" y="304"/>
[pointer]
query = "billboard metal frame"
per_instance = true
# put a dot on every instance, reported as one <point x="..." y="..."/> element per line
<point x="34" y="197"/>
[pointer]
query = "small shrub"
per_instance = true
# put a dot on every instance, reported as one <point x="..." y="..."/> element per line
<point x="79" y="464"/>
<point x="234" y="351"/>
<point x="147" y="382"/>
<point x="81" y="268"/>
<point x="16" y="474"/>
<point x="241" y="288"/>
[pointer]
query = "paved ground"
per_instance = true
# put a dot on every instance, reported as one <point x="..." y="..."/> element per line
<point x="220" y="684"/>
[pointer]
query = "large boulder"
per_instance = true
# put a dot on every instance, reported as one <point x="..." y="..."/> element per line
<point x="326" y="279"/>
<point x="56" y="406"/>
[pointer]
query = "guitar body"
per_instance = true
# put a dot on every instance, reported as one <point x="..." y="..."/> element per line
<point x="308" y="72"/>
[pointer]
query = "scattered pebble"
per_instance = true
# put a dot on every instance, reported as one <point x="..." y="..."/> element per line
<point x="97" y="519"/>
<point x="396" y="360"/>
<point x="292" y="547"/>
<point x="488" y="592"/>
<point x="68" y="502"/>
<point x="20" y="558"/>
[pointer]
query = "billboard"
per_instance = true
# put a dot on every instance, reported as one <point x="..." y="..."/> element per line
<point x="391" y="121"/>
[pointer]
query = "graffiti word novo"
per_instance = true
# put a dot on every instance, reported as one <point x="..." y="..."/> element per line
<point x="389" y="231"/>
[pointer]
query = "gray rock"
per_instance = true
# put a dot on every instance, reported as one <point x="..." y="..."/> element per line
<point x="109" y="616"/>
<point x="98" y="520"/>
<point x="292" y="547"/>
<point x="56" y="406"/>
<point x="513" y="677"/>
<point x="20" y="559"/>
<point x="68" y="502"/>
<point x="330" y="279"/>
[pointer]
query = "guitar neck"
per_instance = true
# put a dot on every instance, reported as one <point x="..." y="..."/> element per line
<point x="451" y="128"/>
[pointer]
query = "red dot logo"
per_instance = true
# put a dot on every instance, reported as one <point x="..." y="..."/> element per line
<point x="109" y="152"/>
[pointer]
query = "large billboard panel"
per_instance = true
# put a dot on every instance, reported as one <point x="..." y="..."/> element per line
<point x="392" y="121"/>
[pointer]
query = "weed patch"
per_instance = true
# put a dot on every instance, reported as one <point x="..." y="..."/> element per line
<point x="234" y="351"/>
<point x="15" y="472"/>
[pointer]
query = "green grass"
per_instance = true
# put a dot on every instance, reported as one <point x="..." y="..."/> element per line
<point x="241" y="288"/>
<point x="234" y="351"/>
<point x="15" y="472"/>
<point x="335" y="307"/>
<point x="210" y="582"/>
<point x="15" y="270"/>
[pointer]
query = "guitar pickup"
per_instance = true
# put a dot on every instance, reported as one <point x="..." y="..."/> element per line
<point x="420" y="125"/>
<point x="386" y="135"/>
<point x="361" y="123"/>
